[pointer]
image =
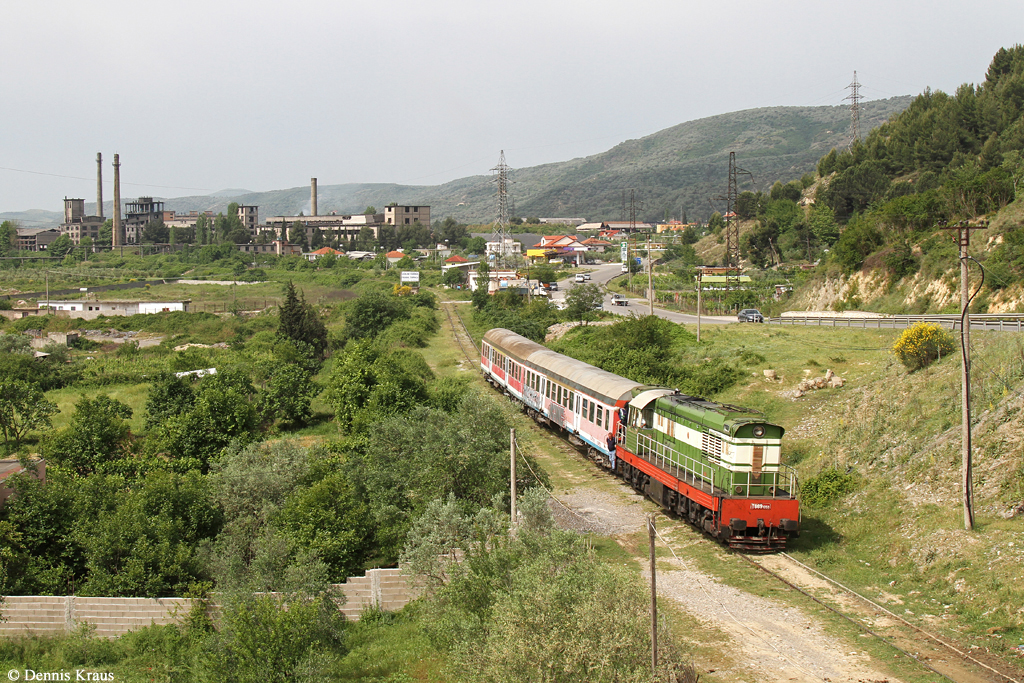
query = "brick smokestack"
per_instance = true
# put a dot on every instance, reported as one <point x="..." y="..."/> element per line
<point x="99" y="184"/>
<point x="312" y="197"/>
<point x="116" y="232"/>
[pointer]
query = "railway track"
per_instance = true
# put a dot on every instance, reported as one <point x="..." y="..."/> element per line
<point x="930" y="651"/>
<point x="461" y="333"/>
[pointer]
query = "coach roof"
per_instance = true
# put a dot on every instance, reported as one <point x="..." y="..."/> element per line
<point x="574" y="373"/>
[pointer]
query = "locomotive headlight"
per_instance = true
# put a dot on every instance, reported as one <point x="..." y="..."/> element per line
<point x="759" y="430"/>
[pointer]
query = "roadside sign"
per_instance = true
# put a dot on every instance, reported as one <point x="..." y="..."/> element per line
<point x="411" y="276"/>
<point x="625" y="251"/>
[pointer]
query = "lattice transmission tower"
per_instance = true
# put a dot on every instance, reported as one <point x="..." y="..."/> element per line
<point x="501" y="233"/>
<point x="855" y="98"/>
<point x="732" y="227"/>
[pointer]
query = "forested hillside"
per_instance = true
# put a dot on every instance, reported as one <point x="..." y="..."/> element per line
<point x="947" y="158"/>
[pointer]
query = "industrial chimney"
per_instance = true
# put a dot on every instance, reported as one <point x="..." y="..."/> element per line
<point x="312" y="197"/>
<point x="116" y="232"/>
<point x="99" y="184"/>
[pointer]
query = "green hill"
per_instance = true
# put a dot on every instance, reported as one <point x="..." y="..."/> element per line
<point x="679" y="167"/>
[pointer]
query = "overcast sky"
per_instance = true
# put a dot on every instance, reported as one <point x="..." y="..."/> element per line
<point x="202" y="95"/>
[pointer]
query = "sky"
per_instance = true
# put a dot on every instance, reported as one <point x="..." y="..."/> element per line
<point x="202" y="95"/>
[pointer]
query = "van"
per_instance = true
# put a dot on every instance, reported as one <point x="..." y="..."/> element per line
<point x="625" y="267"/>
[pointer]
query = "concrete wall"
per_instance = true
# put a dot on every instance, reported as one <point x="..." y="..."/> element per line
<point x="386" y="589"/>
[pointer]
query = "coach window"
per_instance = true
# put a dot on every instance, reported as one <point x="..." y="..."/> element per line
<point x="591" y="411"/>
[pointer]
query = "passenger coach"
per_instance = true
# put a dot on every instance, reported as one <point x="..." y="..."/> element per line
<point x="715" y="464"/>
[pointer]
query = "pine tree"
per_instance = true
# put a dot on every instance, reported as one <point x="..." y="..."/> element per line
<point x="299" y="322"/>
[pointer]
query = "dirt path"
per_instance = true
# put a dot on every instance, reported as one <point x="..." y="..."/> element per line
<point x="756" y="638"/>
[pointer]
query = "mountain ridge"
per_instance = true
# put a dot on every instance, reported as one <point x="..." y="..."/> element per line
<point x="675" y="170"/>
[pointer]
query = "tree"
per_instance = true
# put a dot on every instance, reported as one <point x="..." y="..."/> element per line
<point x="372" y="313"/>
<point x="61" y="246"/>
<point x="544" y="273"/>
<point x="202" y="230"/>
<point x="453" y="277"/>
<point x="155" y="232"/>
<point x="476" y="245"/>
<point x="370" y="209"/>
<point x="169" y="396"/>
<point x="581" y="302"/>
<point x="297" y="235"/>
<point x="23" y="407"/>
<point x="300" y="322"/>
<point x="289" y="394"/>
<point x="104" y="235"/>
<point x="716" y="223"/>
<point x="8" y="238"/>
<point x="96" y="435"/>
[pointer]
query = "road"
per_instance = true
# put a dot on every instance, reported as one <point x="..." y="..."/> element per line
<point x="602" y="274"/>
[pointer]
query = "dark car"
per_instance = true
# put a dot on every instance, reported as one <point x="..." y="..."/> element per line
<point x="750" y="315"/>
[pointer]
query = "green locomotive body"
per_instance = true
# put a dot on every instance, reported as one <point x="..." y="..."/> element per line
<point x="719" y="448"/>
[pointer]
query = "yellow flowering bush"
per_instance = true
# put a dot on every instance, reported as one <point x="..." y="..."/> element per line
<point x="921" y="344"/>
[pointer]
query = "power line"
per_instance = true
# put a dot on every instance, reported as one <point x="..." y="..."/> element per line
<point x="75" y="177"/>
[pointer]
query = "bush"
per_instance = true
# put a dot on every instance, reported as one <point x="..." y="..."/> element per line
<point x="829" y="485"/>
<point x="921" y="344"/>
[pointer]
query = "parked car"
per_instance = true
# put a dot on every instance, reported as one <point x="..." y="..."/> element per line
<point x="750" y="315"/>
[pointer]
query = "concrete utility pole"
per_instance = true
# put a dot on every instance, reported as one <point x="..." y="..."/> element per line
<point x="700" y="286"/>
<point x="651" y="531"/>
<point x="512" y="457"/>
<point x="650" y="276"/>
<point x="964" y="241"/>
<point x="115" y="233"/>
<point x="312" y="197"/>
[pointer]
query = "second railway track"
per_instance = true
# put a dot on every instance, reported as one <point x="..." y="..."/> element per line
<point x="932" y="652"/>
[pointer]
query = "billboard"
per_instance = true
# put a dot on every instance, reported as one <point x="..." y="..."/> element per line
<point x="411" y="277"/>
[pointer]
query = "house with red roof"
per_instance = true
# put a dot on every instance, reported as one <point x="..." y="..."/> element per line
<point x="322" y="251"/>
<point x="395" y="256"/>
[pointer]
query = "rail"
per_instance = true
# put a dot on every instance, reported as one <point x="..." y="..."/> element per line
<point x="782" y="484"/>
<point x="661" y="455"/>
<point x="1001" y="322"/>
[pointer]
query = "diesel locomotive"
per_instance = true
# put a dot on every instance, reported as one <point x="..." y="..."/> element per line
<point x="717" y="465"/>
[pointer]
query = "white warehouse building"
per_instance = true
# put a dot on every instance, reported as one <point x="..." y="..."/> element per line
<point x="85" y="308"/>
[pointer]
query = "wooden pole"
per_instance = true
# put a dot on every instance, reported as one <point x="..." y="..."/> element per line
<point x="963" y="241"/>
<point x="512" y="461"/>
<point x="654" y="600"/>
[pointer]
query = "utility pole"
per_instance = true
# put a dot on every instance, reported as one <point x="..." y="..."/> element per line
<point x="700" y="286"/>
<point x="855" y="98"/>
<point x="963" y="241"/>
<point x="650" y="276"/>
<point x="651" y="531"/>
<point x="512" y="456"/>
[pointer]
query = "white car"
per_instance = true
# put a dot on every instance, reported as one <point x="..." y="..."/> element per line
<point x="579" y="277"/>
<point x="586" y="276"/>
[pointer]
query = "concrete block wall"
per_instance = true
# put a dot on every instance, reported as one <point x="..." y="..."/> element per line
<point x="386" y="589"/>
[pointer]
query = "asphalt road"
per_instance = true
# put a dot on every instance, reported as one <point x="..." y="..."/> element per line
<point x="602" y="274"/>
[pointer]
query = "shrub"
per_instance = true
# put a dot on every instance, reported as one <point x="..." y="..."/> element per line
<point x="921" y="344"/>
<point x="827" y="486"/>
